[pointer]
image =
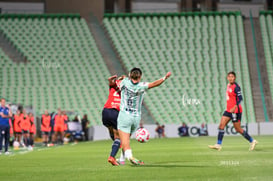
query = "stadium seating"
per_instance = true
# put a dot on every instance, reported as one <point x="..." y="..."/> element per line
<point x="199" y="49"/>
<point x="64" y="67"/>
<point x="266" y="22"/>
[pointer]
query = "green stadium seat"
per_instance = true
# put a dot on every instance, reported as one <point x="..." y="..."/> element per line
<point x="61" y="39"/>
<point x="266" y="23"/>
<point x="199" y="48"/>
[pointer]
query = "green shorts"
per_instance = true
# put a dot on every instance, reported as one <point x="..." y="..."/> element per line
<point x="128" y="123"/>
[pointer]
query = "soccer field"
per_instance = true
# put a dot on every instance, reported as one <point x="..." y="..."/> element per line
<point x="165" y="159"/>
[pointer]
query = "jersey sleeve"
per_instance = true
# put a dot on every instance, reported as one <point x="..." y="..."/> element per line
<point x="144" y="86"/>
<point x="238" y="93"/>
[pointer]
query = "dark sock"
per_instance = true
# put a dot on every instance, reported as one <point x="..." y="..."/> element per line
<point x="25" y="141"/>
<point x="246" y="135"/>
<point x="31" y="142"/>
<point x="115" y="147"/>
<point x="221" y="133"/>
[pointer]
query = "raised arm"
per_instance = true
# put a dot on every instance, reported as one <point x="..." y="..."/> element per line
<point x="159" y="81"/>
<point x="111" y="80"/>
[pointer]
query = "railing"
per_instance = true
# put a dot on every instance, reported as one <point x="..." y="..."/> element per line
<point x="258" y="68"/>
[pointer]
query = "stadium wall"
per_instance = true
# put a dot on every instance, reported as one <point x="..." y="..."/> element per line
<point x="171" y="130"/>
<point x="22" y="7"/>
<point x="85" y="7"/>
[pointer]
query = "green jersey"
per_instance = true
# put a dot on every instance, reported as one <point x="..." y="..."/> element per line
<point x="132" y="95"/>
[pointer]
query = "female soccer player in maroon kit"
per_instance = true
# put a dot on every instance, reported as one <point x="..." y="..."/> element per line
<point x="233" y="112"/>
<point x="110" y="114"/>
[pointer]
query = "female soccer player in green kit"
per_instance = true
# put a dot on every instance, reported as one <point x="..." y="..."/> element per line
<point x="132" y="94"/>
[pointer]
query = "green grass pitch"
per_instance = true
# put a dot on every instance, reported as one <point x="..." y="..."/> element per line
<point x="165" y="159"/>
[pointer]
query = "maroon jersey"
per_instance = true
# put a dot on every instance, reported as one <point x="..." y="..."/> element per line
<point x="234" y="97"/>
<point x="113" y="101"/>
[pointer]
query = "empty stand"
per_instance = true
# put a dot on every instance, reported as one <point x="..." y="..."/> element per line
<point x="266" y="22"/>
<point x="64" y="69"/>
<point x="199" y="48"/>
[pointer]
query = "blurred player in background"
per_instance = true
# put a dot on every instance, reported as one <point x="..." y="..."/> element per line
<point x="132" y="94"/>
<point x="32" y="130"/>
<point x="45" y="127"/>
<point x="110" y="114"/>
<point x="5" y="114"/>
<point x="65" y="120"/>
<point x="59" y="127"/>
<point x="25" y="125"/>
<point x="233" y="112"/>
<point x="17" y="125"/>
<point x="11" y="132"/>
<point x="85" y="124"/>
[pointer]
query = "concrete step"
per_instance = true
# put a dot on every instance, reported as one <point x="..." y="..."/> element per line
<point x="10" y="50"/>
<point x="112" y="60"/>
<point x="255" y="86"/>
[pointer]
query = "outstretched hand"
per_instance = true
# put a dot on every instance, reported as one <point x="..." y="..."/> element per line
<point x="168" y="75"/>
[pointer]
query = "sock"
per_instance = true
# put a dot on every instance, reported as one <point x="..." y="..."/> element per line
<point x="115" y="147"/>
<point x="122" y="156"/>
<point x="31" y="142"/>
<point x="128" y="154"/>
<point x="221" y="133"/>
<point x="26" y="142"/>
<point x="246" y="135"/>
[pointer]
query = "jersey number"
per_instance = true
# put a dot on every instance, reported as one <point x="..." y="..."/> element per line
<point x="116" y="94"/>
<point x="130" y="102"/>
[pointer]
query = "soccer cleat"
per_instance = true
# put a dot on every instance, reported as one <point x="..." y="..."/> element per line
<point x="30" y="148"/>
<point x="252" y="145"/>
<point x="216" y="147"/>
<point x="120" y="162"/>
<point x="7" y="153"/>
<point x="136" y="161"/>
<point x="113" y="161"/>
<point x="50" y="144"/>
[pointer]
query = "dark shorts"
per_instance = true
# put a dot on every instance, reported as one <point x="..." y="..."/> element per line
<point x="229" y="114"/>
<point x="24" y="131"/>
<point x="110" y="117"/>
<point x="45" y="132"/>
<point x="18" y="132"/>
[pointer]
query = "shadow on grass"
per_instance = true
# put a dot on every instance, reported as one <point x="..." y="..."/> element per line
<point x="171" y="165"/>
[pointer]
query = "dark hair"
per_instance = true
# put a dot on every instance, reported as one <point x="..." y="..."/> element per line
<point x="135" y="73"/>
<point x="232" y="72"/>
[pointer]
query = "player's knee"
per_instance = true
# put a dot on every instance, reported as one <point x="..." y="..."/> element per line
<point x="239" y="130"/>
